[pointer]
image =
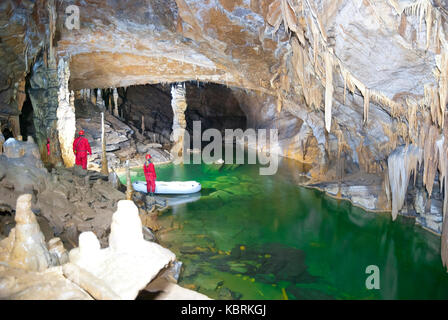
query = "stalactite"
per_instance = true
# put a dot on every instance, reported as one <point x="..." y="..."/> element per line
<point x="110" y="109"/>
<point x="52" y="14"/>
<point x="412" y="120"/>
<point x="402" y="162"/>
<point x="279" y="101"/>
<point x="344" y="75"/>
<point x="99" y="99"/>
<point x="432" y="101"/>
<point x="443" y="83"/>
<point x="282" y="11"/>
<point x="115" y="94"/>
<point x="92" y="96"/>
<point x="442" y="146"/>
<point x="430" y="158"/>
<point x="311" y="89"/>
<point x="386" y="185"/>
<point x="329" y="89"/>
<point x="366" y="95"/>
<point x="104" y="166"/>
<point x="423" y="9"/>
<point x="315" y="34"/>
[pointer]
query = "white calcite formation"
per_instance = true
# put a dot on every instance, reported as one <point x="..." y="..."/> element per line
<point x="402" y="163"/>
<point x="66" y="121"/>
<point x="127" y="265"/>
<point x="14" y="149"/>
<point x="32" y="269"/>
<point x="25" y="247"/>
<point x="25" y="262"/>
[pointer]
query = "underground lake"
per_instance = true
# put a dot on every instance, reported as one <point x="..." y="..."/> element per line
<point x="247" y="236"/>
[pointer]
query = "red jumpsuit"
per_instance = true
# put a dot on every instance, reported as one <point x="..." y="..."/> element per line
<point x="80" y="147"/>
<point x="150" y="175"/>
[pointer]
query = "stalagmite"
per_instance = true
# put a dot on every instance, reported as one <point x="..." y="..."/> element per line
<point x="29" y="250"/>
<point x="129" y="188"/>
<point x="143" y="124"/>
<point x="104" y="166"/>
<point x="66" y="120"/>
<point x="328" y="89"/>
<point x="402" y="162"/>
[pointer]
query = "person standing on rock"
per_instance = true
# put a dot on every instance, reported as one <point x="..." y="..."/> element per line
<point x="48" y="146"/>
<point x="80" y="147"/>
<point x="150" y="175"/>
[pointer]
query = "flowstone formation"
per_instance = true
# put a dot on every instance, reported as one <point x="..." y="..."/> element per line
<point x="128" y="264"/>
<point x="31" y="268"/>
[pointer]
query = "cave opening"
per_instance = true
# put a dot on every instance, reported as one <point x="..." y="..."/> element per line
<point x="27" y="128"/>
<point x="149" y="108"/>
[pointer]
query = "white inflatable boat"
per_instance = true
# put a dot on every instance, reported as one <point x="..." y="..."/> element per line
<point x="172" y="187"/>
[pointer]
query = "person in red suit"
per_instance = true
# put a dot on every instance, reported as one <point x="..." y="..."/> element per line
<point x="48" y="146"/>
<point x="81" y="147"/>
<point x="150" y="175"/>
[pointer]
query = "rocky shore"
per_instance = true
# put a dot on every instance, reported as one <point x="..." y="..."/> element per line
<point x="69" y="234"/>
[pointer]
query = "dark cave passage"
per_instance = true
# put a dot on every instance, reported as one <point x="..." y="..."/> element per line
<point x="213" y="104"/>
<point x="26" y="120"/>
<point x="7" y="133"/>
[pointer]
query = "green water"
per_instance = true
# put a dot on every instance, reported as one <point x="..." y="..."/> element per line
<point x="263" y="237"/>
